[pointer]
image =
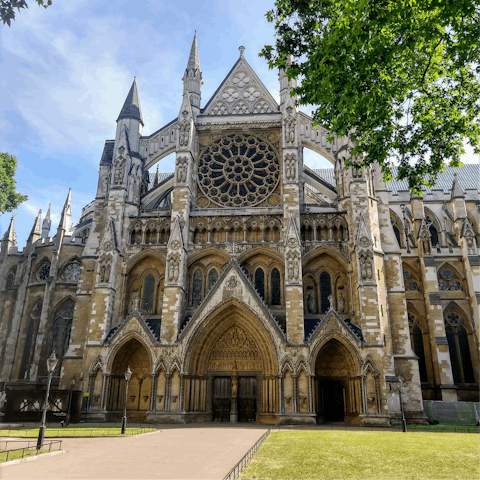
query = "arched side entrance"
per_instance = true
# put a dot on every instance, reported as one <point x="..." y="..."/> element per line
<point x="134" y="355"/>
<point x="337" y="386"/>
<point x="231" y="368"/>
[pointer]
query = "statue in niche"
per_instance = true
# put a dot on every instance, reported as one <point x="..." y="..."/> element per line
<point x="330" y="301"/>
<point x="119" y="171"/>
<point x="102" y="274"/>
<point x="290" y="166"/>
<point x="107" y="273"/>
<point x="290" y="269"/>
<point x="341" y="303"/>
<point x="426" y="244"/>
<point x="471" y="245"/>
<point x="182" y="170"/>
<point x="310" y="303"/>
<point x="184" y="134"/>
<point x="136" y="303"/>
<point x="174" y="267"/>
<point x="366" y="268"/>
<point x="234" y="385"/>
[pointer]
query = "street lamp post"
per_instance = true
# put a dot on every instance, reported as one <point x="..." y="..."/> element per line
<point x="72" y="384"/>
<point x="128" y="376"/>
<point x="51" y="364"/>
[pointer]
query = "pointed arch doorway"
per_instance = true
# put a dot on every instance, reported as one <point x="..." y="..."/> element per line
<point x="134" y="355"/>
<point x="338" y="387"/>
<point x="231" y="368"/>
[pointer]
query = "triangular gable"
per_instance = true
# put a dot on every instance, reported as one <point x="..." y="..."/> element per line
<point x="134" y="322"/>
<point x="241" y="93"/>
<point x="232" y="283"/>
<point x="332" y="321"/>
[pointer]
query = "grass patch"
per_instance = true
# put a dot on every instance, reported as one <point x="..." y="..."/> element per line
<point x="442" y="428"/>
<point x="17" y="454"/>
<point x="31" y="432"/>
<point x="365" y="455"/>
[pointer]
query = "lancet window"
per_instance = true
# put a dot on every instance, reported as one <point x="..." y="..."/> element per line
<point x="416" y="340"/>
<point x="325" y="291"/>
<point x="260" y="282"/>
<point x="275" y="295"/>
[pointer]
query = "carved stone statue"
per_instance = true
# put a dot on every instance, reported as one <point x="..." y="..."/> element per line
<point x="330" y="301"/>
<point x="184" y="134"/>
<point x="234" y="385"/>
<point x="174" y="268"/>
<point x="310" y="303"/>
<point x="119" y="171"/>
<point x="341" y="303"/>
<point x="182" y="170"/>
<point x="136" y="303"/>
<point x="290" y="129"/>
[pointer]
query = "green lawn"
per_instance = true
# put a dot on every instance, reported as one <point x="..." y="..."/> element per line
<point x="18" y="454"/>
<point x="365" y="455"/>
<point x="74" y="432"/>
<point x="444" y="428"/>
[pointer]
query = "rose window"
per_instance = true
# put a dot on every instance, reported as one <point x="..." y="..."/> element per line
<point x="238" y="171"/>
<point x="44" y="271"/>
<point x="71" y="273"/>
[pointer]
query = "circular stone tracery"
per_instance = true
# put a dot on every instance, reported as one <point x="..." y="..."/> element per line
<point x="238" y="170"/>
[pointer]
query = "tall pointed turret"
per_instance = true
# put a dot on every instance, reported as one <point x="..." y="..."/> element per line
<point x="47" y="223"/>
<point x="66" y="215"/>
<point x="286" y="86"/>
<point x="10" y="236"/>
<point x="130" y="118"/>
<point x="36" y="229"/>
<point x="9" y="239"/>
<point x="192" y="79"/>
<point x="457" y="190"/>
<point x="131" y="108"/>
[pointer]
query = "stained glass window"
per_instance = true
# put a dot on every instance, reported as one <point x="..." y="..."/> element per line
<point x="275" y="287"/>
<point x="197" y="287"/>
<point x="420" y="352"/>
<point x="148" y="293"/>
<point x="10" y="280"/>
<point x="27" y="350"/>
<point x="434" y="235"/>
<point x="325" y="291"/>
<point x="453" y="354"/>
<point x="260" y="282"/>
<point x="465" y="355"/>
<point x="212" y="278"/>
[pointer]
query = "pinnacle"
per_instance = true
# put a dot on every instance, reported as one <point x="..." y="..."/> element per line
<point x="131" y="108"/>
<point x="194" y="59"/>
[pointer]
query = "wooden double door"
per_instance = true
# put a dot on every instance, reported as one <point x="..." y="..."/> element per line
<point x="246" y="399"/>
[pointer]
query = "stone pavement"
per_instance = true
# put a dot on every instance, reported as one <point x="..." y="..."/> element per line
<point x="176" y="452"/>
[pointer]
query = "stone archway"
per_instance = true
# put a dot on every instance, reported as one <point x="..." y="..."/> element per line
<point x="338" y="388"/>
<point x="134" y="355"/>
<point x="231" y="366"/>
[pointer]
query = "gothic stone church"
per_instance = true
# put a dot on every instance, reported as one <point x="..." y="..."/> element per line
<point x="244" y="286"/>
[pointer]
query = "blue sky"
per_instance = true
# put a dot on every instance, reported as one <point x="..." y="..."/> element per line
<point x="66" y="71"/>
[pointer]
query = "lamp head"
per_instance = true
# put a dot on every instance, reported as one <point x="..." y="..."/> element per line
<point x="128" y="374"/>
<point x="52" y="363"/>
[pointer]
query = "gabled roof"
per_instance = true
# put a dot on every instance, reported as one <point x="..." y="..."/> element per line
<point x="131" y="108"/>
<point x="241" y="92"/>
<point x="208" y="303"/>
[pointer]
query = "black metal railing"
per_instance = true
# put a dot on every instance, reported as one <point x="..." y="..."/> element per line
<point x="238" y="468"/>
<point x="77" y="432"/>
<point x="27" y="451"/>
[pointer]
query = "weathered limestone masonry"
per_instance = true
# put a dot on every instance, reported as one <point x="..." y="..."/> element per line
<point x="244" y="286"/>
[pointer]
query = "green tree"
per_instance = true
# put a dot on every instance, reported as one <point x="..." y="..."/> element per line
<point x="9" y="198"/>
<point x="399" y="77"/>
<point x="7" y="8"/>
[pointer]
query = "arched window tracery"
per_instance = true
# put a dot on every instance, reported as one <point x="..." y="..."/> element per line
<point x="197" y="284"/>
<point x="148" y="300"/>
<point x="410" y="280"/>
<point x="448" y="279"/>
<point x="416" y="340"/>
<point x="325" y="291"/>
<point x="61" y="331"/>
<point x="260" y="282"/>
<point x="275" y="287"/>
<point x="459" y="348"/>
<point x="212" y="278"/>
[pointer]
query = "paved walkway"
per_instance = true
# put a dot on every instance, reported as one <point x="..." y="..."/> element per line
<point x="176" y="452"/>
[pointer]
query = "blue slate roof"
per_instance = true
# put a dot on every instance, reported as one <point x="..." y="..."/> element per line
<point x="107" y="154"/>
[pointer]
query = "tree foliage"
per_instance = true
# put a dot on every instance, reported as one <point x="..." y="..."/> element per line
<point x="9" y="198"/>
<point x="7" y="8"/>
<point x="399" y="77"/>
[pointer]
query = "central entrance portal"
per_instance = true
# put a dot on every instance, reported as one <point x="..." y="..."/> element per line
<point x="332" y="394"/>
<point x="222" y="392"/>
<point x="247" y="399"/>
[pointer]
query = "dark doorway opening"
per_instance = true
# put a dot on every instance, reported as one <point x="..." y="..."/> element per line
<point x="247" y="395"/>
<point x="221" y="399"/>
<point x="333" y="400"/>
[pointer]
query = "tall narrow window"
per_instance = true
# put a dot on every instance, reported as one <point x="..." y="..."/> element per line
<point x="61" y="330"/>
<point x="27" y="350"/>
<point x="148" y="293"/>
<point x="458" y="347"/>
<point x="434" y="235"/>
<point x="325" y="291"/>
<point x="260" y="282"/>
<point x="275" y="287"/>
<point x="197" y="287"/>
<point x="212" y="278"/>
<point x="417" y="341"/>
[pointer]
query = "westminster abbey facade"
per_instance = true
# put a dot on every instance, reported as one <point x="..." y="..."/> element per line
<point x="244" y="286"/>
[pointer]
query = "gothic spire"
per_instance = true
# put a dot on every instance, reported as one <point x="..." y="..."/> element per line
<point x="66" y="215"/>
<point x="47" y="223"/>
<point x="192" y="79"/>
<point x="156" y="181"/>
<point x="194" y="59"/>
<point x="10" y="236"/>
<point x="131" y="108"/>
<point x="36" y="227"/>
<point x="457" y="190"/>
